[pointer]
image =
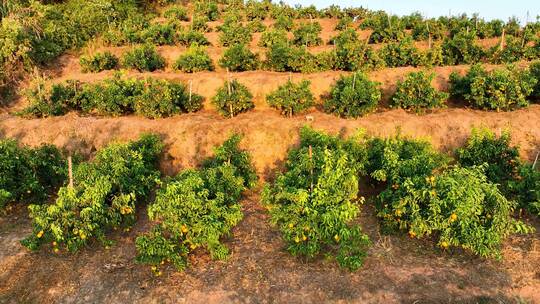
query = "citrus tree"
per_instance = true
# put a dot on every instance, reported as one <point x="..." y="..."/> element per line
<point x="233" y="98"/>
<point x="291" y="98"/>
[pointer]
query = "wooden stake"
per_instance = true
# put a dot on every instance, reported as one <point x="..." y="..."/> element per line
<point x="535" y="160"/>
<point x="70" y="171"/>
<point x="190" y="89"/>
<point x="354" y="81"/>
<point x="311" y="169"/>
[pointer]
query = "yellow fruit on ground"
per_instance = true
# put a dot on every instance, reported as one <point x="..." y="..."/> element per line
<point x="412" y="234"/>
<point x="56" y="250"/>
<point x="54" y="243"/>
<point x="40" y="234"/>
<point x="154" y="268"/>
<point x="83" y="236"/>
<point x="192" y="246"/>
<point x="444" y="245"/>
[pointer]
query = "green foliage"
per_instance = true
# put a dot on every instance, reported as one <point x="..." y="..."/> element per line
<point x="152" y="98"/>
<point x="501" y="89"/>
<point x="273" y="36"/>
<point x="416" y="93"/>
<point x="176" y="12"/>
<point x="484" y="147"/>
<point x="353" y="54"/>
<point x="458" y="206"/>
<point x="207" y="8"/>
<point x="235" y="33"/>
<point x="188" y="37"/>
<point x="526" y="188"/>
<point x="430" y="28"/>
<point x="385" y="28"/>
<point x="29" y="174"/>
<point x="239" y="58"/>
<point x="315" y="202"/>
<point x="105" y="194"/>
<point x="462" y="49"/>
<point x="353" y="96"/>
<point x="534" y="70"/>
<point x="233" y="98"/>
<point x="197" y="208"/>
<point x="344" y="23"/>
<point x="284" y="22"/>
<point x="283" y="58"/>
<point x="158" y="34"/>
<point x="514" y="50"/>
<point x="307" y="34"/>
<point x="143" y="58"/>
<point x="195" y="59"/>
<point x="402" y="53"/>
<point x="98" y="62"/>
<point x="199" y="24"/>
<point x="291" y="98"/>
<point x="256" y="10"/>
<point x="256" y="26"/>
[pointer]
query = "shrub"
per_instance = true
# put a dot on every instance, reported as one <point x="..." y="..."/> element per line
<point x="234" y="33"/>
<point x="233" y="98"/>
<point x="534" y="70"/>
<point x="176" y="12"/>
<point x="199" y="24"/>
<point x="284" y="22"/>
<point x="291" y="98"/>
<point x="196" y="208"/>
<point x="353" y="96"/>
<point x="209" y="9"/>
<point x="458" y="206"/>
<point x="188" y="37"/>
<point x="158" y="34"/>
<point x="256" y="26"/>
<point x="282" y="58"/>
<point x="239" y="58"/>
<point x="195" y="59"/>
<point x="461" y="49"/>
<point x="273" y="36"/>
<point x="526" y="188"/>
<point x="150" y="97"/>
<point x="98" y="62"/>
<point x="353" y="54"/>
<point x="501" y="89"/>
<point x="105" y="194"/>
<point x="344" y="23"/>
<point x="29" y="174"/>
<point x="143" y="58"/>
<point x="307" y="34"/>
<point x="315" y="202"/>
<point x="384" y="28"/>
<point x="416" y="93"/>
<point x="484" y="147"/>
<point x="256" y="10"/>
<point x="402" y="53"/>
<point x="513" y="51"/>
<point x="423" y="30"/>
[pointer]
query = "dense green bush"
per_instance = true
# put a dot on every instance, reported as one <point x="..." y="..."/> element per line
<point x="402" y="53"/>
<point x="188" y="37"/>
<point x="307" y="34"/>
<point x="104" y="196"/>
<point x="416" y="93"/>
<point x="429" y="28"/>
<point x="384" y="28"/>
<point x="484" y="147"/>
<point x="158" y="34"/>
<point x="283" y="58"/>
<point x="143" y="58"/>
<point x="233" y="98"/>
<point x="235" y="33"/>
<point x="238" y="58"/>
<point x="256" y="10"/>
<point x="115" y="96"/>
<point x="196" y="208"/>
<point x="98" y="62"/>
<point x="353" y="96"/>
<point x="314" y="203"/>
<point x="195" y="59"/>
<point x="501" y="89"/>
<point x="291" y="98"/>
<point x="200" y="24"/>
<point x="29" y="174"/>
<point x="284" y="22"/>
<point x="207" y="8"/>
<point x="256" y="26"/>
<point x="273" y="36"/>
<point x="353" y="54"/>
<point x="176" y="12"/>
<point x="503" y="167"/>
<point x="534" y="70"/>
<point x="513" y="51"/>
<point x="462" y="49"/>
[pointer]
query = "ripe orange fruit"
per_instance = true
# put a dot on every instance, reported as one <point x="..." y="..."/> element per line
<point x="444" y="245"/>
<point x="184" y="229"/>
<point x="297" y="239"/>
<point x="304" y="237"/>
<point x="453" y="217"/>
<point x="40" y="234"/>
<point x="291" y="225"/>
<point x="336" y="237"/>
